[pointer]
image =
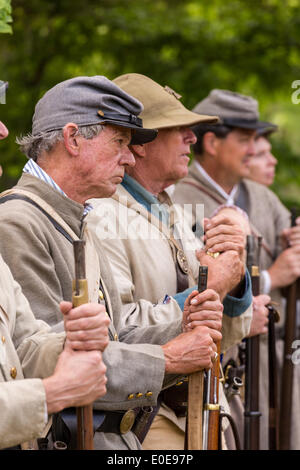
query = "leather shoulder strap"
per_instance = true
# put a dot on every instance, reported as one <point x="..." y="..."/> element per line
<point x="202" y="188"/>
<point x="44" y="207"/>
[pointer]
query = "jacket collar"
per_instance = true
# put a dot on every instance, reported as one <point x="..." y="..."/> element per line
<point x="69" y="210"/>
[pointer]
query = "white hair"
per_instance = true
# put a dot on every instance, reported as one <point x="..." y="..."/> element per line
<point x="34" y="146"/>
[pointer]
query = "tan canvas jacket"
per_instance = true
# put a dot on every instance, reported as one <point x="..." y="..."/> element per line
<point x="27" y="349"/>
<point x="268" y="217"/>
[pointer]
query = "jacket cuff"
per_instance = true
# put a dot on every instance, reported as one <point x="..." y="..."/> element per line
<point x="235" y="307"/>
<point x="182" y="296"/>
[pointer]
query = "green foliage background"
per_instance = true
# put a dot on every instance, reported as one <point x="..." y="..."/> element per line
<point x="192" y="46"/>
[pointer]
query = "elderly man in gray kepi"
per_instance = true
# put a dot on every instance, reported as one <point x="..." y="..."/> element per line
<point x="218" y="176"/>
<point x="78" y="150"/>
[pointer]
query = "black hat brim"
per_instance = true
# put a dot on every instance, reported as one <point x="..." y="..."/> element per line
<point x="249" y="124"/>
<point x="140" y="135"/>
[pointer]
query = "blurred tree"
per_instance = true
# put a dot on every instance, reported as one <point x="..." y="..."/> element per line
<point x="193" y="46"/>
<point x="5" y="16"/>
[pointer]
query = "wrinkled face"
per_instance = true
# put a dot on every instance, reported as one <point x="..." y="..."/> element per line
<point x="169" y="154"/>
<point x="3" y="131"/>
<point x="262" y="164"/>
<point x="234" y="153"/>
<point x="103" y="160"/>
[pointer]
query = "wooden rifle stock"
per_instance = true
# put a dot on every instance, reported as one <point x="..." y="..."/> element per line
<point x="85" y="434"/>
<point x="290" y="334"/>
<point x="212" y="407"/>
<point x="194" y="424"/>
<point x="252" y="414"/>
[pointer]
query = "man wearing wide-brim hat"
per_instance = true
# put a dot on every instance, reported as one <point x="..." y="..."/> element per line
<point x="218" y="176"/>
<point x="153" y="251"/>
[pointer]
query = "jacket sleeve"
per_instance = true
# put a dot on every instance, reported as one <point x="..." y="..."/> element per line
<point x="22" y="404"/>
<point x="27" y="254"/>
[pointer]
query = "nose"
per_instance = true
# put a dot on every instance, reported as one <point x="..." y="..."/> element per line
<point x="127" y="157"/>
<point x="189" y="136"/>
<point x="251" y="151"/>
<point x="3" y="131"/>
<point x="272" y="160"/>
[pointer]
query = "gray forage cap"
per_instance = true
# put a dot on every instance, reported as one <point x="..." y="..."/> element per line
<point x="89" y="101"/>
<point x="233" y="109"/>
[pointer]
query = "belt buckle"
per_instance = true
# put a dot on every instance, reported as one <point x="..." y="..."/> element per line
<point x="127" y="421"/>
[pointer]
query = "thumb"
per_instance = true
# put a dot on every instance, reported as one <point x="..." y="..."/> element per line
<point x="65" y="307"/>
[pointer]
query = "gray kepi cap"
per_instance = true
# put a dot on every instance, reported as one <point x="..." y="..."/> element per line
<point x="233" y="109"/>
<point x="89" y="101"/>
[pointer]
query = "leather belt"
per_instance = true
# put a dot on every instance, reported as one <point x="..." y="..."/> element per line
<point x="118" y="422"/>
<point x="175" y="397"/>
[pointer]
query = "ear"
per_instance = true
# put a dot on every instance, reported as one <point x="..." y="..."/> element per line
<point x="138" y="150"/>
<point x="71" y="141"/>
<point x="210" y="143"/>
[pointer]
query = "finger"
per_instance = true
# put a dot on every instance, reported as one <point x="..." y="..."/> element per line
<point x="86" y="310"/>
<point x="223" y="229"/>
<point x="223" y="237"/>
<point x="87" y="323"/>
<point x="216" y="335"/>
<point x="206" y="315"/>
<point x="220" y="219"/>
<point x="95" y="345"/>
<point x="206" y="308"/>
<point x="222" y="246"/>
<point x="207" y="295"/>
<point x="215" y="325"/>
<point x="261" y="299"/>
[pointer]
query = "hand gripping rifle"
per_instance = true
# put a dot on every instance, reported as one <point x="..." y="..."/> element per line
<point x="194" y="424"/>
<point x="290" y="334"/>
<point x="85" y="434"/>
<point x="252" y="413"/>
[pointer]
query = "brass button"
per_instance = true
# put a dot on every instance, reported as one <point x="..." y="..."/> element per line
<point x="130" y="397"/>
<point x="3" y="339"/>
<point x="101" y="295"/>
<point x="139" y="395"/>
<point x="13" y="372"/>
<point x="127" y="421"/>
<point x="115" y="337"/>
<point x="149" y="394"/>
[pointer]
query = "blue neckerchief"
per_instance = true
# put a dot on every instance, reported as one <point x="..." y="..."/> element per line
<point x="146" y="199"/>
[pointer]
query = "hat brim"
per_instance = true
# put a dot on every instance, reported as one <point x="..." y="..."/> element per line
<point x="140" y="135"/>
<point x="247" y="124"/>
<point x="267" y="129"/>
<point x="185" y="118"/>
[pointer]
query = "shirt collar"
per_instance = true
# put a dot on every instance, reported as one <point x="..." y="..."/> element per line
<point x="228" y="197"/>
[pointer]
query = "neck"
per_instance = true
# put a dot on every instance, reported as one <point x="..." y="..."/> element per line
<point x="65" y="178"/>
<point x="219" y="175"/>
<point x="153" y="186"/>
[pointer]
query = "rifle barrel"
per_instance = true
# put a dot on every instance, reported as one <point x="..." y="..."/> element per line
<point x="252" y="413"/>
<point x="85" y="433"/>
<point x="290" y="334"/>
